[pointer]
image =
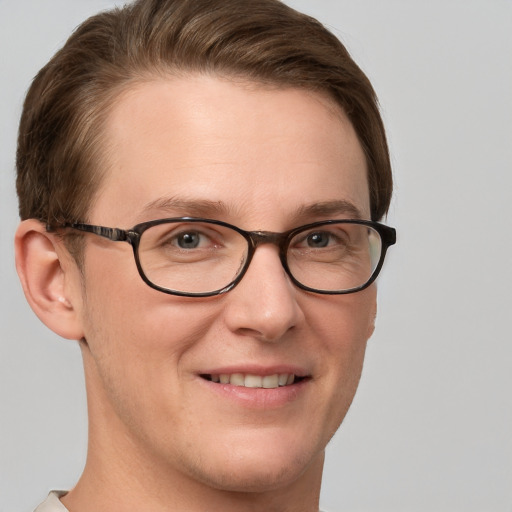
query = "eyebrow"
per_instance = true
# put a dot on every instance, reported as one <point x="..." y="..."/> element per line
<point x="187" y="207"/>
<point x="330" y="209"/>
<point x="214" y="209"/>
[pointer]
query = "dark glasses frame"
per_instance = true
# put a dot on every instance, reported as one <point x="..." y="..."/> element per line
<point x="254" y="240"/>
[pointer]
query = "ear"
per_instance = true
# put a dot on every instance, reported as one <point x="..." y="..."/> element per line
<point x="373" y="317"/>
<point x="50" y="279"/>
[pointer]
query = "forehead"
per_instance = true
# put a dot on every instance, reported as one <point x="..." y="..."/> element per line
<point x="253" y="149"/>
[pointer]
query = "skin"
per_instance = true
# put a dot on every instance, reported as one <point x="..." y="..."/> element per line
<point x="160" y="438"/>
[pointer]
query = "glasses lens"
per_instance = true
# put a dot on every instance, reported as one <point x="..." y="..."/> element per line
<point x="334" y="257"/>
<point x="192" y="257"/>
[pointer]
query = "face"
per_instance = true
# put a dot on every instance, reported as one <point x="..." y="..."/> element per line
<point x="261" y="159"/>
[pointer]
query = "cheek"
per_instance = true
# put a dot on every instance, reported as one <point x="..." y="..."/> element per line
<point x="343" y="329"/>
<point x="345" y="322"/>
<point x="356" y="326"/>
<point x="139" y="347"/>
<point x="135" y="334"/>
<point x="145" y="327"/>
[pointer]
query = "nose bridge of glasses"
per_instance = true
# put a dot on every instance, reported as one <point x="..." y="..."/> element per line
<point x="267" y="237"/>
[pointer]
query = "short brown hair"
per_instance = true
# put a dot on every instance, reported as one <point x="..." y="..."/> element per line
<point x="59" y="145"/>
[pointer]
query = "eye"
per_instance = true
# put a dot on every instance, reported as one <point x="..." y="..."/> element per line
<point x="318" y="239"/>
<point x="184" y="237"/>
<point x="188" y="240"/>
<point x="326" y="238"/>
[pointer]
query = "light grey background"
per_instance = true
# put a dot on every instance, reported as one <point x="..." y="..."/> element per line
<point x="431" y="426"/>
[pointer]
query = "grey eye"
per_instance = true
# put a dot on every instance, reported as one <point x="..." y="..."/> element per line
<point x="318" y="239"/>
<point x="189" y="240"/>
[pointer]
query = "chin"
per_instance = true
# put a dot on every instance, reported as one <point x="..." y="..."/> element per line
<point x="266" y="478"/>
<point x="260" y="468"/>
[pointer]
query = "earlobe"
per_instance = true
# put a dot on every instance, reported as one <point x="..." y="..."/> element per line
<point x="373" y="318"/>
<point x="48" y="279"/>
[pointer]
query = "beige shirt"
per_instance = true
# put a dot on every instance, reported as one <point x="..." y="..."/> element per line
<point x="52" y="503"/>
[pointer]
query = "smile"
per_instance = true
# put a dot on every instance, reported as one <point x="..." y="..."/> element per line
<point x="254" y="381"/>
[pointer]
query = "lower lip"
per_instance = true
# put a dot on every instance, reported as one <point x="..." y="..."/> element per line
<point x="261" y="398"/>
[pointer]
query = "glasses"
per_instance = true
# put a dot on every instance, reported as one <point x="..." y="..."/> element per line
<point x="196" y="257"/>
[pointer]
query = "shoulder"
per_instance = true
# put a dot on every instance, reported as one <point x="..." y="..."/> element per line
<point x="52" y="503"/>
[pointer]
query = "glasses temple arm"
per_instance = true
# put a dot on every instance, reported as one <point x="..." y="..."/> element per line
<point x="114" y="234"/>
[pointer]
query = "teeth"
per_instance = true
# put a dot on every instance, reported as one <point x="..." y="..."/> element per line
<point x="237" y="379"/>
<point x="270" y="381"/>
<point x="283" y="379"/>
<point x="255" y="381"/>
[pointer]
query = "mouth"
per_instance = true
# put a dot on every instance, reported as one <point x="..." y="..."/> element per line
<point x="248" y="380"/>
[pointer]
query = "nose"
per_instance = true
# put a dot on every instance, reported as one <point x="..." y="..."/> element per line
<point x="264" y="304"/>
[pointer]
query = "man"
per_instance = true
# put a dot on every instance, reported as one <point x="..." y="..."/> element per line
<point x="239" y="150"/>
